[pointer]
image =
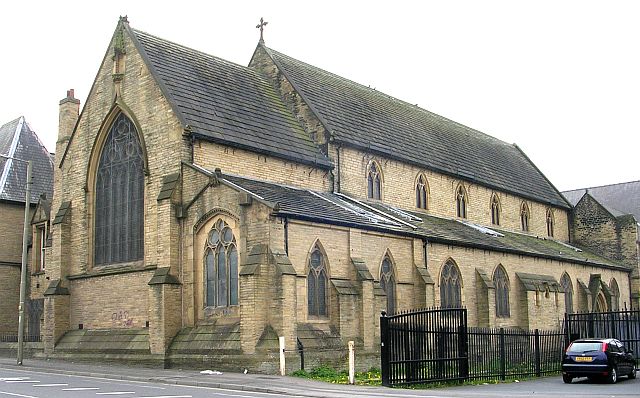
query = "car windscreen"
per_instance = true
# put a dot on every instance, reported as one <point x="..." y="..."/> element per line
<point x="584" y="346"/>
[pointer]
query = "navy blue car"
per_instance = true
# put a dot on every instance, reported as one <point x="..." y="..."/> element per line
<point x="598" y="358"/>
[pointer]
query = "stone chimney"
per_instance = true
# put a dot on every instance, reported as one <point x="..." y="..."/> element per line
<point x="69" y="110"/>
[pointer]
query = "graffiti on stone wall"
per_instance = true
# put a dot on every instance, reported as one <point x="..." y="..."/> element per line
<point x="121" y="319"/>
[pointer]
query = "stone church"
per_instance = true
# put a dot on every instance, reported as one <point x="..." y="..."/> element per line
<point x="202" y="209"/>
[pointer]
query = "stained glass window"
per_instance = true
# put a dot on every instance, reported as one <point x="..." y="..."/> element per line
<point x="421" y="193"/>
<point x="374" y="183"/>
<point x="221" y="266"/>
<point x="501" y="283"/>
<point x="317" y="284"/>
<point x="565" y="281"/>
<point x="388" y="284"/>
<point x="119" y="211"/>
<point x="450" y="286"/>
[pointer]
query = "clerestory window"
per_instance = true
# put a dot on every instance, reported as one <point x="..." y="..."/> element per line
<point x="374" y="182"/>
<point x="421" y="193"/>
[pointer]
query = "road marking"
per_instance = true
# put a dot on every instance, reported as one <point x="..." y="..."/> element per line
<point x="17" y="395"/>
<point x="22" y="381"/>
<point x="51" y="385"/>
<point x="115" y="393"/>
<point x="80" y="388"/>
<point x="170" y="396"/>
<point x="12" y="378"/>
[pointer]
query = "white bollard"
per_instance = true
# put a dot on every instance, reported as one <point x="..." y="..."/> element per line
<point x="283" y="368"/>
<point x="352" y="364"/>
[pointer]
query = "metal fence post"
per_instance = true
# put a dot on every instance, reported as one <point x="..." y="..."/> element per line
<point x="503" y="359"/>
<point x="463" y="346"/>
<point x="536" y="348"/>
<point x="384" y="348"/>
<point x="301" y="351"/>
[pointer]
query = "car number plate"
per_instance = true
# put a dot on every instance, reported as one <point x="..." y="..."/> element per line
<point x="584" y="359"/>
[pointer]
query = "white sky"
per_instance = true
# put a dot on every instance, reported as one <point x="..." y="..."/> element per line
<point x="559" y="78"/>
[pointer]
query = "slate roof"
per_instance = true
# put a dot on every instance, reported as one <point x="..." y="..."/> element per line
<point x="370" y="120"/>
<point x="338" y="209"/>
<point x="619" y="199"/>
<point x="225" y="102"/>
<point x="17" y="140"/>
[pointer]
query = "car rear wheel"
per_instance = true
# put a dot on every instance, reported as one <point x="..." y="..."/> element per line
<point x="567" y="379"/>
<point x="632" y="375"/>
<point x="613" y="375"/>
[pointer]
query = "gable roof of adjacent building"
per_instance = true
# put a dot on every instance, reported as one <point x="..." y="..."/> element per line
<point x="367" y="119"/>
<point x="238" y="106"/>
<point x="619" y="199"/>
<point x="18" y="141"/>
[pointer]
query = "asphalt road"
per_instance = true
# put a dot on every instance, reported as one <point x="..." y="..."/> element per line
<point x="26" y="383"/>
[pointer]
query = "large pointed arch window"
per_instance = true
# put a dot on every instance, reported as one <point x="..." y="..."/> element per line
<point x="317" y="279"/>
<point x="567" y="286"/>
<point x="119" y="205"/>
<point x="221" y="266"/>
<point x="501" y="283"/>
<point x="374" y="182"/>
<point x="450" y="286"/>
<point x="524" y="217"/>
<point x="388" y="284"/>
<point x="495" y="210"/>
<point x="421" y="192"/>
<point x="461" y="202"/>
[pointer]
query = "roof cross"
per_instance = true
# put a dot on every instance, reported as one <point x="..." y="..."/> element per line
<point x="261" y="26"/>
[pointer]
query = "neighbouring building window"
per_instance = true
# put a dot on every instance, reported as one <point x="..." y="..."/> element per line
<point x="388" y="284"/>
<point x="524" y="217"/>
<point x="615" y="295"/>
<point x="549" y="223"/>
<point x="461" y="202"/>
<point x="374" y="182"/>
<point x="565" y="281"/>
<point x="317" y="281"/>
<point x="450" y="286"/>
<point x="41" y="239"/>
<point x="119" y="206"/>
<point x="421" y="192"/>
<point x="495" y="210"/>
<point x="501" y="283"/>
<point x="221" y="266"/>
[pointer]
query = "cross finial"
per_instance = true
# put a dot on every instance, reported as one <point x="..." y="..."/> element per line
<point x="261" y="26"/>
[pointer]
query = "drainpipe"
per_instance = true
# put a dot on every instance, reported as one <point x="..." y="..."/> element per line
<point x="425" y="243"/>
<point x="286" y="236"/>
<point x="338" y="167"/>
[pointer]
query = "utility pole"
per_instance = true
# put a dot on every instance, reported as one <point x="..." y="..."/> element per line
<point x="23" y="273"/>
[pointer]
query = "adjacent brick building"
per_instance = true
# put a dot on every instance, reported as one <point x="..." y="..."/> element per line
<point x="202" y="209"/>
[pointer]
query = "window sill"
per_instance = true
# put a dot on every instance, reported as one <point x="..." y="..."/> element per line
<point x="111" y="270"/>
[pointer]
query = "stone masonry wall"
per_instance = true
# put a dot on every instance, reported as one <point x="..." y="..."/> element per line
<point x="9" y="298"/>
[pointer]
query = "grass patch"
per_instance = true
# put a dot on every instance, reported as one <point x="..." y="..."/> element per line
<point x="328" y="374"/>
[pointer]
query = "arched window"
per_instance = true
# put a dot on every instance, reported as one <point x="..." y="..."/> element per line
<point x="461" y="202"/>
<point x="119" y="190"/>
<point x="524" y="217"/>
<point x="450" y="286"/>
<point x="601" y="303"/>
<point x="565" y="281"/>
<point x="317" y="284"/>
<point x="421" y="192"/>
<point x="501" y="283"/>
<point x="374" y="182"/>
<point x="549" y="223"/>
<point x="615" y="295"/>
<point x="221" y="266"/>
<point x="388" y="284"/>
<point x="495" y="210"/>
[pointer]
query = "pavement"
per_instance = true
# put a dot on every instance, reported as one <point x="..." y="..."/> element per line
<point x="281" y="385"/>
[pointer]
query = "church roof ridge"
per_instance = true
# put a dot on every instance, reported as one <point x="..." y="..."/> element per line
<point x="373" y="121"/>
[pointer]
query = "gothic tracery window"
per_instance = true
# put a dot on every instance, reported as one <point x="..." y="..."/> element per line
<point x="550" y="223"/>
<point x="388" y="284"/>
<point x="524" y="217"/>
<point x="461" y="202"/>
<point x="495" y="210"/>
<point x="119" y="205"/>
<point x="317" y="279"/>
<point x="501" y="283"/>
<point x="450" y="286"/>
<point x="567" y="286"/>
<point x="421" y="192"/>
<point x="221" y="266"/>
<point x="374" y="182"/>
